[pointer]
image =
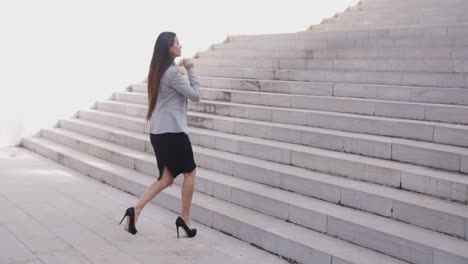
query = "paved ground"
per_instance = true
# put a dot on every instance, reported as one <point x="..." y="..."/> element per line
<point x="51" y="214"/>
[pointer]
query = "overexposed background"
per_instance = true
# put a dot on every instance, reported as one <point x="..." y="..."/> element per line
<point x="57" y="57"/>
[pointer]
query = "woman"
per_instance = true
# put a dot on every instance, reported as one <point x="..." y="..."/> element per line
<point x="167" y="106"/>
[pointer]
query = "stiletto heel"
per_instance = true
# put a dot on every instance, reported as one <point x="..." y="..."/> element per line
<point x="181" y="223"/>
<point x="130" y="225"/>
<point x="122" y="219"/>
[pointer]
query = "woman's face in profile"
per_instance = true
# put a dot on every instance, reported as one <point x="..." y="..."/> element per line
<point x="176" y="49"/>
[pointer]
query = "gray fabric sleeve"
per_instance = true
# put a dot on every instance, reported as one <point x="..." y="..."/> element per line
<point x="190" y="90"/>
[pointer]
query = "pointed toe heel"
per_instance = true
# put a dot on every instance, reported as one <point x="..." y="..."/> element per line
<point x="130" y="224"/>
<point x="181" y="223"/>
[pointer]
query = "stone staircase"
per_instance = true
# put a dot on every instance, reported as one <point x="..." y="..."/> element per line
<point x="390" y="13"/>
<point x="333" y="145"/>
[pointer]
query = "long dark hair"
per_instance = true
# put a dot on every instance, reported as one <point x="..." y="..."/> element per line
<point x="160" y="62"/>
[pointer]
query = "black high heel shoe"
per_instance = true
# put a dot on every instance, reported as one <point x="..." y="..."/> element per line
<point x="130" y="225"/>
<point x="180" y="222"/>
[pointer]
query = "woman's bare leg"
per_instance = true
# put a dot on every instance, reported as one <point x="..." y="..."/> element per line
<point x="188" y="186"/>
<point x="153" y="190"/>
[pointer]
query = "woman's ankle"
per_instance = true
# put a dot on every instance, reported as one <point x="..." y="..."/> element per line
<point x="137" y="211"/>
<point x="186" y="219"/>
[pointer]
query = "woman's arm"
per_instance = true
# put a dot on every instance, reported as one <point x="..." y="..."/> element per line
<point x="190" y="90"/>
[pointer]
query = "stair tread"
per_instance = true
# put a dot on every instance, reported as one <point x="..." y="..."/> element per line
<point x="337" y="98"/>
<point x="378" y="118"/>
<point x="240" y="69"/>
<point x="434" y="60"/>
<point x="328" y="83"/>
<point x="232" y="38"/>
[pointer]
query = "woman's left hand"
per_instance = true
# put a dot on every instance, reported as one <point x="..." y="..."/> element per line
<point x="188" y="64"/>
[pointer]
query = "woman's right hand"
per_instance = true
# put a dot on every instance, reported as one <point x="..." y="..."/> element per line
<point x="188" y="64"/>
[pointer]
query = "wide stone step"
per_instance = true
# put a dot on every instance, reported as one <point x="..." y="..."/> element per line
<point x="370" y="27"/>
<point x="415" y="9"/>
<point x="402" y="11"/>
<point x="365" y="23"/>
<point x="342" y="42"/>
<point x="416" y="3"/>
<point x="451" y="80"/>
<point x="416" y="111"/>
<point x="433" y="155"/>
<point x="259" y="51"/>
<point x="293" y="48"/>
<point x="436" y="183"/>
<point x="410" y="6"/>
<point x="384" y="65"/>
<point x="369" y="223"/>
<point x="366" y="91"/>
<point x="238" y="51"/>
<point x="270" y="233"/>
<point x="453" y="32"/>
<point x="399" y="11"/>
<point x="399" y="14"/>
<point x="404" y="19"/>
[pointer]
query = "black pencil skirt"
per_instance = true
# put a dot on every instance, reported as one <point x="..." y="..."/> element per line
<point x="174" y="151"/>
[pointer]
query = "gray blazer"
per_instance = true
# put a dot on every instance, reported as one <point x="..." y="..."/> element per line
<point x="170" y="113"/>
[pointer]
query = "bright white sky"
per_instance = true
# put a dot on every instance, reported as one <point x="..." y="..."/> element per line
<point x="60" y="56"/>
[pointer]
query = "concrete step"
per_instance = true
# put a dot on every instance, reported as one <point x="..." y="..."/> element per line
<point x="370" y="27"/>
<point x="416" y="3"/>
<point x="272" y="234"/>
<point x="410" y="9"/>
<point x="365" y="23"/>
<point x="411" y="6"/>
<point x="398" y="11"/>
<point x="425" y="180"/>
<point x="259" y="51"/>
<point x="308" y="88"/>
<point x="365" y="42"/>
<point x="368" y="23"/>
<point x="451" y="80"/>
<point x="369" y="91"/>
<point x="344" y="40"/>
<point x="369" y="223"/>
<point x="404" y="18"/>
<point x="237" y="51"/>
<point x="434" y="183"/>
<point x="402" y="12"/>
<point x="378" y="65"/>
<point x="426" y="154"/>
<point x="452" y="33"/>
<point x="366" y="91"/>
<point x="430" y="3"/>
<point x="406" y="110"/>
